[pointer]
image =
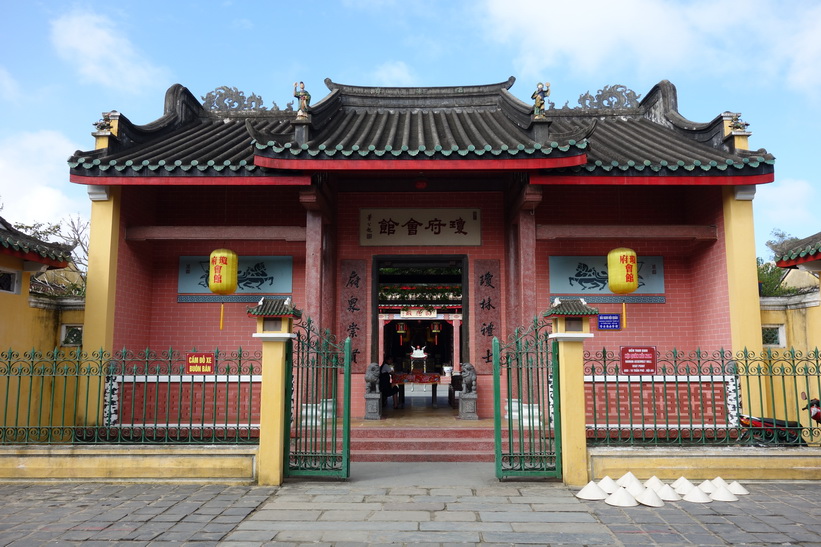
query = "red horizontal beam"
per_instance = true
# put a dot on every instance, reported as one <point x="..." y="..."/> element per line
<point x="798" y="260"/>
<point x="137" y="180"/>
<point x="511" y="164"/>
<point x="34" y="257"/>
<point x="651" y="180"/>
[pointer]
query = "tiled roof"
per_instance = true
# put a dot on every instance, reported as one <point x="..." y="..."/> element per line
<point x="570" y="306"/>
<point x="274" y="307"/>
<point x="34" y="249"/>
<point x="472" y="123"/>
<point x="805" y="250"/>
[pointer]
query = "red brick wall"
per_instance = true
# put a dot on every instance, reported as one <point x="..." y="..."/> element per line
<point x="147" y="312"/>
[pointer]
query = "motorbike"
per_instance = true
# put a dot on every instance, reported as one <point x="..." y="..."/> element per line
<point x="772" y="431"/>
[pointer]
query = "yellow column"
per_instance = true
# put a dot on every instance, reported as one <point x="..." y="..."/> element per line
<point x="272" y="427"/>
<point x="742" y="274"/>
<point x="571" y="398"/>
<point x="101" y="283"/>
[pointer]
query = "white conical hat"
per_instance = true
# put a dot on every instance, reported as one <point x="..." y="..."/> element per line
<point x="718" y="481"/>
<point x="622" y="481"/>
<point x="634" y="487"/>
<point x="707" y="487"/>
<point x="737" y="489"/>
<point x="697" y="495"/>
<point x="654" y="482"/>
<point x="678" y="481"/>
<point x="666" y="493"/>
<point x="621" y="498"/>
<point x="591" y="492"/>
<point x="608" y="485"/>
<point x="650" y="497"/>
<point x="684" y="486"/>
<point x="723" y="494"/>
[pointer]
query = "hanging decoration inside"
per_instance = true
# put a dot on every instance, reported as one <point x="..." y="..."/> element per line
<point x="622" y="275"/>
<point x="436" y="328"/>
<point x="401" y="329"/>
<point x="222" y="275"/>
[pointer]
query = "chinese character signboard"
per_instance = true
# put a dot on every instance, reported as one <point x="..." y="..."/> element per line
<point x="637" y="360"/>
<point x="199" y="363"/>
<point x="420" y="227"/>
<point x="488" y="312"/>
<point x="588" y="275"/>
<point x="353" y="311"/>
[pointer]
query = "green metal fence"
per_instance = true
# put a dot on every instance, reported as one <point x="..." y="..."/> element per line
<point x="526" y="418"/>
<point x="317" y="405"/>
<point x="703" y="397"/>
<point x="129" y="397"/>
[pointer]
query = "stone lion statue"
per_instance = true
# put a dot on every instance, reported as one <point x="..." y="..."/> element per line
<point x="468" y="378"/>
<point x="371" y="378"/>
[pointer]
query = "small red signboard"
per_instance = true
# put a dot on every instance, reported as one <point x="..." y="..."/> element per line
<point x="199" y="363"/>
<point x="638" y="360"/>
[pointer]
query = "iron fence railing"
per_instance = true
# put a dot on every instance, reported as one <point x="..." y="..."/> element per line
<point x="704" y="398"/>
<point x="129" y="397"/>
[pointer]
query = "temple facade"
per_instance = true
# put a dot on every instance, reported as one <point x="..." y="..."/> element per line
<point x="423" y="220"/>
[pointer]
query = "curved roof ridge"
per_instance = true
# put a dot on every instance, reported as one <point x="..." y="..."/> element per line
<point x="437" y="92"/>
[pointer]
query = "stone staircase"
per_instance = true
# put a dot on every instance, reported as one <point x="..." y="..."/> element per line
<point x="422" y="444"/>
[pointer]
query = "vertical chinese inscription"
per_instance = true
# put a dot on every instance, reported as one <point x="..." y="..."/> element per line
<point x="353" y="311"/>
<point x="487" y="312"/>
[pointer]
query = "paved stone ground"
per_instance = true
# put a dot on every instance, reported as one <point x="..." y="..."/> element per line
<point x="432" y="504"/>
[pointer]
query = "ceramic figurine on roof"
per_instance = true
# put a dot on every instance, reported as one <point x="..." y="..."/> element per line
<point x="304" y="99"/>
<point x="540" y="97"/>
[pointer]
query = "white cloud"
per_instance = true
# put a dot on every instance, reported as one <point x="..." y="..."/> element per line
<point x="789" y="205"/>
<point x="34" y="184"/>
<point x="95" y="45"/>
<point x="393" y="74"/>
<point x="9" y="88"/>
<point x="753" y="39"/>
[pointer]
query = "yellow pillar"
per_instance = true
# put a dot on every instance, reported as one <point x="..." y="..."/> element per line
<point x="571" y="332"/>
<point x="101" y="285"/>
<point x="742" y="274"/>
<point x="275" y="334"/>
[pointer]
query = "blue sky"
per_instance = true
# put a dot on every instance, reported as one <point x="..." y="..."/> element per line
<point x="63" y="63"/>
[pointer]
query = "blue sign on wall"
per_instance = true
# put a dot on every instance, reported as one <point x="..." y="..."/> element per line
<point x="588" y="275"/>
<point x="257" y="275"/>
<point x="609" y="321"/>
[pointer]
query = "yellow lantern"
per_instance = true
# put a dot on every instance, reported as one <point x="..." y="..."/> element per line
<point x="622" y="271"/>
<point x="622" y="274"/>
<point x="222" y="274"/>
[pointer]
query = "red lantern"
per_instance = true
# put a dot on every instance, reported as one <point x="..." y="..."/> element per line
<point x="222" y="274"/>
<point x="401" y="328"/>
<point x="436" y="328"/>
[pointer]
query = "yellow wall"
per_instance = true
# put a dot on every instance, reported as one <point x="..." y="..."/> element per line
<point x="23" y="327"/>
<point x="801" y="317"/>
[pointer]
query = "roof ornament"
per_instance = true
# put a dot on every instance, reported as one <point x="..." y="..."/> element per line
<point x="614" y="97"/>
<point x="304" y="99"/>
<point x="231" y="98"/>
<point x="540" y="97"/>
<point x="736" y="123"/>
<point x="104" y="123"/>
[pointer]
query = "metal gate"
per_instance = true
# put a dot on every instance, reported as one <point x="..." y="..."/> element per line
<point x="318" y="408"/>
<point x="526" y="410"/>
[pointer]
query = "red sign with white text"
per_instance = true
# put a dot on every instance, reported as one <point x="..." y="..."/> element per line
<point x="638" y="360"/>
<point x="199" y="363"/>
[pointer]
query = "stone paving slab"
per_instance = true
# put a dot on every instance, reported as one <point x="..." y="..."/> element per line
<point x="447" y="504"/>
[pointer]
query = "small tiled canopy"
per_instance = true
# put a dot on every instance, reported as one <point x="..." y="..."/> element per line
<point x="802" y="252"/>
<point x="16" y="243"/>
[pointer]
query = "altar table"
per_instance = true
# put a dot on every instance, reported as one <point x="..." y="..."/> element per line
<point x="402" y="378"/>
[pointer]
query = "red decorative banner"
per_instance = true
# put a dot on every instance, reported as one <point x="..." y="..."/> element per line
<point x="353" y="314"/>
<point x="488" y="313"/>
<point x="199" y="363"/>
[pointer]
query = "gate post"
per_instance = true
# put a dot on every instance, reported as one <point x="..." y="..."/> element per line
<point x="274" y="323"/>
<point x="571" y="327"/>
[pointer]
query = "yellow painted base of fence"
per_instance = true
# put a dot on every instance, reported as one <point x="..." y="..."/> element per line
<point x="206" y="463"/>
<point x="730" y="463"/>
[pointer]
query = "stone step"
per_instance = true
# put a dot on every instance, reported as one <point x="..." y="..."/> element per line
<point x="420" y="444"/>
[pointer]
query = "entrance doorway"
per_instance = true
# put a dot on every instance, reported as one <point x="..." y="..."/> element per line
<point x="420" y="303"/>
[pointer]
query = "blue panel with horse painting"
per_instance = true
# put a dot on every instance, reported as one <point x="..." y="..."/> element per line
<point x="257" y="275"/>
<point x="587" y="275"/>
